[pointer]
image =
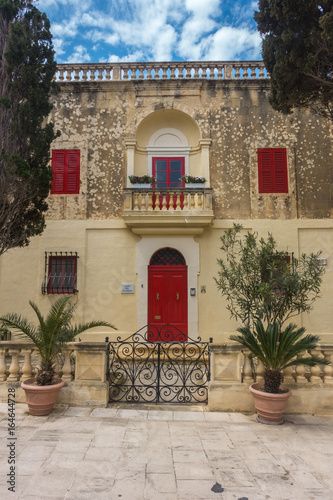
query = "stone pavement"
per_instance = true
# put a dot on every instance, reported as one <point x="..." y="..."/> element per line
<point x="174" y="453"/>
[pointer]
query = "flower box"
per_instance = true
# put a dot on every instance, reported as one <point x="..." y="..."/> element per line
<point x="141" y="186"/>
<point x="195" y="185"/>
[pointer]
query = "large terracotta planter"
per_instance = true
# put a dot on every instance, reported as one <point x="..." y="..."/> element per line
<point x="270" y="407"/>
<point x="41" y="398"/>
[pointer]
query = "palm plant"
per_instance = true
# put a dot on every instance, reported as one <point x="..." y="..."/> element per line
<point x="278" y="350"/>
<point x="51" y="333"/>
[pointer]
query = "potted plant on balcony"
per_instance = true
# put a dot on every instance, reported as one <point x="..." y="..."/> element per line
<point x="51" y="334"/>
<point x="142" y="182"/>
<point x="265" y="287"/>
<point x="193" y="182"/>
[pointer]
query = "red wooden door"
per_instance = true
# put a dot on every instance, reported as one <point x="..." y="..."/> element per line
<point x="167" y="297"/>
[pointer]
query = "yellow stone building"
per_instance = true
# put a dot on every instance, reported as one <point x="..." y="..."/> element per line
<point x="136" y="256"/>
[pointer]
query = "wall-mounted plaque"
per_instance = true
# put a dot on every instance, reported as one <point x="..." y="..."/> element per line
<point x="127" y="288"/>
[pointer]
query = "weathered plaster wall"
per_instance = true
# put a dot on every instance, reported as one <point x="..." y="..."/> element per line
<point x="97" y="117"/>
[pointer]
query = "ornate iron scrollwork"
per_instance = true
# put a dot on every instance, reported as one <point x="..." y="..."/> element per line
<point x="158" y="365"/>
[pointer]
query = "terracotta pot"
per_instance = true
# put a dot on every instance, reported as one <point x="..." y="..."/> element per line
<point x="41" y="398"/>
<point x="270" y="407"/>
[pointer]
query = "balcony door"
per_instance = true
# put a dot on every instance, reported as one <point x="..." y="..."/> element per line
<point x="168" y="172"/>
<point x="167" y="290"/>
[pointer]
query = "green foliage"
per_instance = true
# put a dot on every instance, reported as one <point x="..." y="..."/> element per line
<point x="27" y="68"/>
<point x="143" y="179"/>
<point x="277" y="350"/>
<point x="51" y="334"/>
<point x="259" y="283"/>
<point x="297" y="50"/>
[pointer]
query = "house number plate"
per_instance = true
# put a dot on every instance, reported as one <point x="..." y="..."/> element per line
<point x="157" y="317"/>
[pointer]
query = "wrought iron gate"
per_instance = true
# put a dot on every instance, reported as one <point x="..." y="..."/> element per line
<point x="158" y="365"/>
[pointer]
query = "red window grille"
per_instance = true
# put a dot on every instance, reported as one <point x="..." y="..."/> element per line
<point x="167" y="257"/>
<point x="273" y="174"/>
<point x="60" y="273"/>
<point x="66" y="171"/>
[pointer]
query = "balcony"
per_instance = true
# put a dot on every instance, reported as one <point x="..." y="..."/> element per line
<point x="184" y="70"/>
<point x="158" y="211"/>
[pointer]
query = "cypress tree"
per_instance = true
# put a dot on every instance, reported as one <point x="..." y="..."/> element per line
<point x="297" y="50"/>
<point x="27" y="68"/>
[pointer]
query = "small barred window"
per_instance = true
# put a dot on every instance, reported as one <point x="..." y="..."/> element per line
<point x="60" y="273"/>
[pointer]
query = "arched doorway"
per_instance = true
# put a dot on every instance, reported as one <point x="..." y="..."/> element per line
<point x="167" y="290"/>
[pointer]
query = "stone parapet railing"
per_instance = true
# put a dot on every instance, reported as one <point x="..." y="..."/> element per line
<point x="212" y="70"/>
<point x="155" y="211"/>
<point x="18" y="361"/>
<point x="232" y="363"/>
<point x="83" y="367"/>
<point x="233" y="370"/>
<point x="159" y="200"/>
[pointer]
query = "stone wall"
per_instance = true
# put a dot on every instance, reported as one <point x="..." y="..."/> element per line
<point x="98" y="117"/>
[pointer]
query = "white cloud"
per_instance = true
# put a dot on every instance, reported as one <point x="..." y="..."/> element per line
<point x="69" y="30"/>
<point x="202" y="8"/>
<point x="157" y="30"/>
<point x="229" y="43"/>
<point x="58" y="45"/>
<point x="80" y="55"/>
<point x="56" y="4"/>
<point x="133" y="57"/>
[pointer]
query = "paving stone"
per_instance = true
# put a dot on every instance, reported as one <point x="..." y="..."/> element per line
<point x="88" y="488"/>
<point x="53" y="481"/>
<point x="77" y="412"/>
<point x="65" y="460"/>
<point x="161" y="483"/>
<point x="160" y="415"/>
<point x="188" y="416"/>
<point x="107" y="456"/>
<point x="133" y="414"/>
<point x="189" y="489"/>
<point x="128" y="490"/>
<point x="189" y="456"/>
<point x="217" y="417"/>
<point x="193" y="470"/>
<point x="235" y="477"/>
<point x="103" y="413"/>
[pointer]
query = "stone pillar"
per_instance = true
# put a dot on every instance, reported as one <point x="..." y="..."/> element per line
<point x="130" y="149"/>
<point x="90" y="387"/>
<point x="205" y="144"/>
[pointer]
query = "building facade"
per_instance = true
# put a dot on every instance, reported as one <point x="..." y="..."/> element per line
<point x="134" y="254"/>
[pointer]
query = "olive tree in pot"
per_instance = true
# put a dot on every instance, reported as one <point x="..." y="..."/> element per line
<point x="50" y="336"/>
<point x="264" y="288"/>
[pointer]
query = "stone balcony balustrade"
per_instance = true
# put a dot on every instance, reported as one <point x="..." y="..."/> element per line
<point x="187" y="210"/>
<point x="217" y="70"/>
<point x="232" y="372"/>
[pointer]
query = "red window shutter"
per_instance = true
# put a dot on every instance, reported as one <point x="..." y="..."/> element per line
<point x="280" y="171"/>
<point x="73" y="171"/>
<point x="265" y="171"/>
<point x="58" y="167"/>
<point x="66" y="171"/>
<point x="272" y="167"/>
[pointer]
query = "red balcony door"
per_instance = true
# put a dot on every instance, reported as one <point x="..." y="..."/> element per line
<point x="167" y="293"/>
<point x="168" y="172"/>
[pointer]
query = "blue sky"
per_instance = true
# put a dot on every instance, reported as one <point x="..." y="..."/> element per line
<point x="152" y="30"/>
